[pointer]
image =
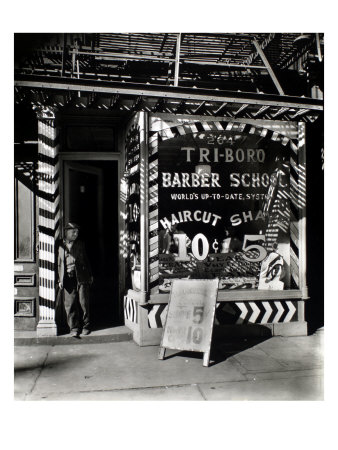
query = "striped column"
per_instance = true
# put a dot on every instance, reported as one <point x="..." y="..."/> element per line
<point x="302" y="207"/>
<point x="144" y="203"/>
<point x="153" y="214"/>
<point x="298" y="201"/>
<point x="48" y="220"/>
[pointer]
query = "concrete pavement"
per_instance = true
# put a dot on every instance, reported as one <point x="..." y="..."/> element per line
<point x="278" y="368"/>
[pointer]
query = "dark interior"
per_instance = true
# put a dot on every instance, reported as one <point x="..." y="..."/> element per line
<point x="96" y="212"/>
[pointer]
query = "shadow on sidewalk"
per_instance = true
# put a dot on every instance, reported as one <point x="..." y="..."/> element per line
<point x="221" y="348"/>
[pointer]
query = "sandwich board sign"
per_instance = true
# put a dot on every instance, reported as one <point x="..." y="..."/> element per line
<point x="190" y="317"/>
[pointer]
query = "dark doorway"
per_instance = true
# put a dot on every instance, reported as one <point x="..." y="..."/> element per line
<point x="91" y="201"/>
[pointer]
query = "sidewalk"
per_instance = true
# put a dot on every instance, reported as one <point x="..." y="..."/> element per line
<point x="278" y="368"/>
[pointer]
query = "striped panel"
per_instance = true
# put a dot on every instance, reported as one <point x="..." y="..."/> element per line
<point x="49" y="216"/>
<point x="230" y="313"/>
<point x="168" y="129"/>
<point x="130" y="309"/>
<point x="259" y="312"/>
<point x="157" y="316"/>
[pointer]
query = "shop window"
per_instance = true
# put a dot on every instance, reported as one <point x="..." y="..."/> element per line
<point x="226" y="209"/>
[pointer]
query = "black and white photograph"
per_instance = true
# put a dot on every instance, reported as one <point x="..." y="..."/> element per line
<point x="167" y="195"/>
<point x="161" y="216"/>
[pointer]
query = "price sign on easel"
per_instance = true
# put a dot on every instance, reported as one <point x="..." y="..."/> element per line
<point x="190" y="317"/>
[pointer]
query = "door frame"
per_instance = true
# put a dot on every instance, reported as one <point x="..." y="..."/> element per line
<point x="98" y="156"/>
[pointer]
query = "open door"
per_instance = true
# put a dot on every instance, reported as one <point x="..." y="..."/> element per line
<point x="91" y="200"/>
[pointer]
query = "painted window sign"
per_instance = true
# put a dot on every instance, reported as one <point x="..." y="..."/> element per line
<point x="224" y="210"/>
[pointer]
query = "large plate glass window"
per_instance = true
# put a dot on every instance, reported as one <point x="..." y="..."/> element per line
<point x="224" y="209"/>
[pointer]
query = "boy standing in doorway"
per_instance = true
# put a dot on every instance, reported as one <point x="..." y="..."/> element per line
<point x="75" y="278"/>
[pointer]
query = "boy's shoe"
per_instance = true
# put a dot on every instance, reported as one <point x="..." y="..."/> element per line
<point x="74" y="334"/>
<point x="85" y="331"/>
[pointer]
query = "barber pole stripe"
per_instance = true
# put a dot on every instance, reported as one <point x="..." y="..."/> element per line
<point x="241" y="127"/>
<point x="153" y="242"/>
<point x="294" y="265"/>
<point x="298" y="201"/>
<point x="280" y="311"/>
<point x="243" y="314"/>
<point x="154" y="264"/>
<point x="206" y="126"/>
<point x="153" y="198"/>
<point x="181" y="130"/>
<point x="153" y="271"/>
<point x="153" y="247"/>
<point x="255" y="312"/>
<point x="291" y="313"/>
<point x="167" y="133"/>
<point x="153" y="226"/>
<point x="192" y="128"/>
<point x="168" y="129"/>
<point x="153" y="212"/>
<point x="268" y="311"/>
<point x="153" y="252"/>
<point x="49" y="216"/>
<point x="218" y="126"/>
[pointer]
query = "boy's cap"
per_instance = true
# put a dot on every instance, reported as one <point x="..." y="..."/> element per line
<point x="72" y="226"/>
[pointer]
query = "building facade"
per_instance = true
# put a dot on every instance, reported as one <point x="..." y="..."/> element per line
<point x="178" y="159"/>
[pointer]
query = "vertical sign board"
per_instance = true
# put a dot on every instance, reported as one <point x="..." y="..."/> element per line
<point x="132" y="168"/>
<point x="190" y="317"/>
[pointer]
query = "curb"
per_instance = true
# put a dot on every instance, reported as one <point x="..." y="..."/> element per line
<point x="123" y="336"/>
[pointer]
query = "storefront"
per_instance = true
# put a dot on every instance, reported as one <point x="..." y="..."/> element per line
<point x="198" y="198"/>
<point x="180" y="177"/>
<point x="225" y="199"/>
